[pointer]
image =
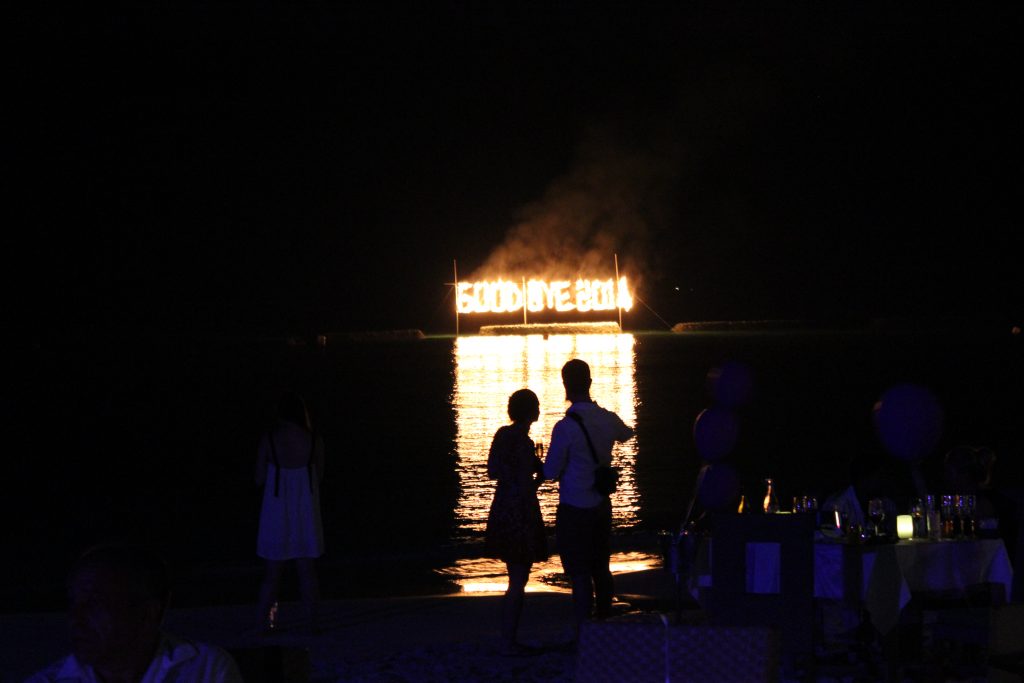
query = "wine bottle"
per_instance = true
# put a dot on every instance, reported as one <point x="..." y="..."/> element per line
<point x="771" y="502"/>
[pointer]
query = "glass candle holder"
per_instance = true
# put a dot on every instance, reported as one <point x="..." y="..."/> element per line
<point x="904" y="526"/>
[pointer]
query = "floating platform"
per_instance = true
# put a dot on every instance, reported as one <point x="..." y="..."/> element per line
<point x="742" y="326"/>
<point x="552" y="328"/>
<point x="370" y="336"/>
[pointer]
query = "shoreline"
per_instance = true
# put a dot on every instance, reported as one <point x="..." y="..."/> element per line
<point x="420" y="572"/>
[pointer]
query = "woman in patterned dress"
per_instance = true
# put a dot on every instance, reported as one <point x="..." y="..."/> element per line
<point x="515" y="528"/>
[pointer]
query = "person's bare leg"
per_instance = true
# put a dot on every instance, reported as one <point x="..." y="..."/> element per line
<point x="309" y="588"/>
<point x="512" y="603"/>
<point x="268" y="592"/>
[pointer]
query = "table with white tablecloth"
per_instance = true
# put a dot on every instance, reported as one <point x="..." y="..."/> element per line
<point x="882" y="577"/>
<point x="891" y="573"/>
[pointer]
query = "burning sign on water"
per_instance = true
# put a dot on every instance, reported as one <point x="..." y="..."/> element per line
<point x="508" y="296"/>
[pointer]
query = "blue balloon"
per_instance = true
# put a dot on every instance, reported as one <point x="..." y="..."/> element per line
<point x="715" y="432"/>
<point x="908" y="419"/>
<point x="731" y="384"/>
<point x="720" y="488"/>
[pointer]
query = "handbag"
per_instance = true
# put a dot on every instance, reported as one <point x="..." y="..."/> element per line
<point x="606" y="478"/>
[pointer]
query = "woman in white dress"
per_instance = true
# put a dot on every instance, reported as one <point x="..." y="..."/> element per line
<point x="289" y="467"/>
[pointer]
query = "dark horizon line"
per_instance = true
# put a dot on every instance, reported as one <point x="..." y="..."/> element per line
<point x="996" y="323"/>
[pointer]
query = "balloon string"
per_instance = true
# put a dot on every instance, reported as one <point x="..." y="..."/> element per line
<point x="693" y="498"/>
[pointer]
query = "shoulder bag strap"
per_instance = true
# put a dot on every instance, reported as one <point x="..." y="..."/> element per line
<point x="579" y="420"/>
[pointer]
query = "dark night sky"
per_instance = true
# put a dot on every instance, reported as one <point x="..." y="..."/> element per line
<point x="253" y="167"/>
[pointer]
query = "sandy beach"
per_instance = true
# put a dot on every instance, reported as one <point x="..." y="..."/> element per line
<point x="427" y="638"/>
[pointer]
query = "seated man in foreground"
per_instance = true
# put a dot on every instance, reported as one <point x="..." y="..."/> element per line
<point x="118" y="598"/>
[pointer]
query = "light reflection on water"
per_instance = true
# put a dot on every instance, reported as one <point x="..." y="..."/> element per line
<point x="484" y="575"/>
<point x="487" y="370"/>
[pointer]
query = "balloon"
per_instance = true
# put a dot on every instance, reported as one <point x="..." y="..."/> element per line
<point x="908" y="419"/>
<point x="720" y="488"/>
<point x="731" y="384"/>
<point x="715" y="432"/>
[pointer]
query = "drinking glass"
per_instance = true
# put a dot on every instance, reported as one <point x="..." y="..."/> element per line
<point x="948" y="512"/>
<point x="933" y="517"/>
<point x="958" y="515"/>
<point x="842" y="521"/>
<point x="917" y="513"/>
<point x="876" y="512"/>
<point x="969" y="505"/>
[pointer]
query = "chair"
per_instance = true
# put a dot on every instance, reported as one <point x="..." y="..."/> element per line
<point x="978" y="632"/>
<point x="984" y="642"/>
<point x="1016" y="545"/>
<point x="648" y="648"/>
<point x="272" y="664"/>
<point x="786" y="604"/>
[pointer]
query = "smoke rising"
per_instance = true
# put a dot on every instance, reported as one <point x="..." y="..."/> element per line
<point x="614" y="198"/>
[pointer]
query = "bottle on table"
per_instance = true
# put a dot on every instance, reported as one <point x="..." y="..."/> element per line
<point x="967" y="521"/>
<point x="948" y="519"/>
<point x="771" y="501"/>
<point x="917" y="513"/>
<point x="933" y="518"/>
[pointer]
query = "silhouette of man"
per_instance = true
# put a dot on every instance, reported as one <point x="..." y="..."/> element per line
<point x="584" y="519"/>
<point x="118" y="597"/>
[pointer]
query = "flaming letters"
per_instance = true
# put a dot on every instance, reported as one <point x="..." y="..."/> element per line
<point x="507" y="296"/>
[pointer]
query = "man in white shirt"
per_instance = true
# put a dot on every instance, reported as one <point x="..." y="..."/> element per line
<point x="584" y="519"/>
<point x="119" y="595"/>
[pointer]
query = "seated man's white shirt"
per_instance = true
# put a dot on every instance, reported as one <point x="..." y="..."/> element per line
<point x="176" y="661"/>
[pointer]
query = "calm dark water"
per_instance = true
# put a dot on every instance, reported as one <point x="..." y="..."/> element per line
<point x="157" y="439"/>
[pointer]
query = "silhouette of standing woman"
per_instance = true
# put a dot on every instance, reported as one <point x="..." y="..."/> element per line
<point x="289" y="467"/>
<point x="515" y="528"/>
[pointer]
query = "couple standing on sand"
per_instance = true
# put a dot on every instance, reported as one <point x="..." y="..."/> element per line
<point x="290" y="465"/>
<point x="515" y="528"/>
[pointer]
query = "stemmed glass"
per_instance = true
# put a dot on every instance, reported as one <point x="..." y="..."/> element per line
<point x="968" y="503"/>
<point x="841" y="521"/>
<point x="958" y="515"/>
<point x="948" y="514"/>
<point x="876" y="512"/>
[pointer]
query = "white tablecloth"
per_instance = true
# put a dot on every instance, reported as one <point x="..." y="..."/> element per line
<point x="890" y="573"/>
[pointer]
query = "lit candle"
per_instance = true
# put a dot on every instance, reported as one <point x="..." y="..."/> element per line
<point x="904" y="526"/>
